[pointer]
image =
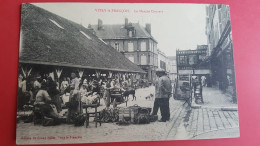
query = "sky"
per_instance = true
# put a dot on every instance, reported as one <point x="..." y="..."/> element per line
<point x="174" y="26"/>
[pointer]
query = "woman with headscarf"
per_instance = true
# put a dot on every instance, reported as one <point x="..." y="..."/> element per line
<point x="54" y="93"/>
<point x="43" y="100"/>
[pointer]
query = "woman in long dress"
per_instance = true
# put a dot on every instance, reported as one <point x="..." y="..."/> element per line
<point x="74" y="99"/>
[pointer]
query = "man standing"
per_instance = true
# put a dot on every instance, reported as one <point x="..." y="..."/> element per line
<point x="74" y="81"/>
<point x="163" y="91"/>
<point x="203" y="81"/>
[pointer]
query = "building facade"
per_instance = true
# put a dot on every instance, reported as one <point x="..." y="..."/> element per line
<point x="172" y="67"/>
<point x="219" y="37"/>
<point x="167" y="63"/>
<point x="132" y="40"/>
<point x="162" y="60"/>
<point x="192" y="61"/>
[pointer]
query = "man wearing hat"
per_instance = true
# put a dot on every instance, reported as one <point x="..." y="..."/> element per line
<point x="163" y="91"/>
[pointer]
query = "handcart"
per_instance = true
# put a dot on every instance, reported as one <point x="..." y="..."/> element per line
<point x="116" y="96"/>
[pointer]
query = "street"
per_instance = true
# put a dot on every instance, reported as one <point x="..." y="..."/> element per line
<point x="206" y="121"/>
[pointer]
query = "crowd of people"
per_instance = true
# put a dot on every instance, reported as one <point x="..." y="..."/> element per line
<point x="50" y="94"/>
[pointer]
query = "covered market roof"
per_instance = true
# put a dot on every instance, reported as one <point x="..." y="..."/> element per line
<point x="49" y="39"/>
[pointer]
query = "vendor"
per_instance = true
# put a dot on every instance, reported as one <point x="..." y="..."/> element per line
<point x="43" y="100"/>
<point x="106" y="94"/>
<point x="90" y="97"/>
<point x="54" y="93"/>
<point x="74" y="100"/>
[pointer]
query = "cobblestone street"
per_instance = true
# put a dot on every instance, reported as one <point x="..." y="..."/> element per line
<point x="216" y="118"/>
<point x="185" y="123"/>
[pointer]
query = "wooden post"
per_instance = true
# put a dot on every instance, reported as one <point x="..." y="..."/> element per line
<point x="98" y="73"/>
<point x="26" y="72"/>
<point x="58" y="71"/>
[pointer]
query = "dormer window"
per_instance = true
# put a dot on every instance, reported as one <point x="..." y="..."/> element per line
<point x="117" y="46"/>
<point x="130" y="33"/>
<point x="57" y="24"/>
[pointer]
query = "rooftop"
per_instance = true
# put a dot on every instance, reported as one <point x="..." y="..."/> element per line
<point x="47" y="38"/>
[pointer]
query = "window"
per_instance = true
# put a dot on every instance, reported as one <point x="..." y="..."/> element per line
<point x="117" y="47"/>
<point x="143" y="46"/>
<point x="162" y="65"/>
<point x="57" y="24"/>
<point x="155" y="48"/>
<point x="182" y="60"/>
<point x="150" y="47"/>
<point x="143" y="60"/>
<point x="192" y="59"/>
<point x="131" y="58"/>
<point x="130" y="33"/>
<point x="149" y="59"/>
<point x="152" y="60"/>
<point x="130" y="47"/>
<point x="156" y="61"/>
<point x="85" y="35"/>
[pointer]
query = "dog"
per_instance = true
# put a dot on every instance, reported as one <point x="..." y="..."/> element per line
<point x="129" y="92"/>
<point x="149" y="97"/>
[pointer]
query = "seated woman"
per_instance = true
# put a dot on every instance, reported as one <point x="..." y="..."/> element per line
<point x="54" y="93"/>
<point x="90" y="97"/>
<point x="44" y="101"/>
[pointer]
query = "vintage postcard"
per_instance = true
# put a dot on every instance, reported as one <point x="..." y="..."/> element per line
<point x="120" y="72"/>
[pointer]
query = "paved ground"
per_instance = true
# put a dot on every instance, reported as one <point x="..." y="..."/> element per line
<point x="214" y="98"/>
<point x="216" y="118"/>
<point x="185" y="123"/>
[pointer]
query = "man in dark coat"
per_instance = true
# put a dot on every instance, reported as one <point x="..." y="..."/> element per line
<point x="163" y="89"/>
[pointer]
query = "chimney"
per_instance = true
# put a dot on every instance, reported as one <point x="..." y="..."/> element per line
<point x="148" y="27"/>
<point x="100" y="23"/>
<point x="126" y="22"/>
<point x="91" y="29"/>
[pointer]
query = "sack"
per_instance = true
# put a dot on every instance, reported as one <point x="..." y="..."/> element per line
<point x="73" y="104"/>
<point x="153" y="118"/>
<point x="37" y="115"/>
<point x="79" y="120"/>
<point x="144" y="116"/>
<point x="48" y="121"/>
<point x="54" y="108"/>
<point x="124" y="116"/>
<point x="28" y="118"/>
<point x="134" y="112"/>
<point x="109" y="115"/>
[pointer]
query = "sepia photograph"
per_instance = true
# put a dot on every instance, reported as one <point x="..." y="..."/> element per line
<point x="122" y="72"/>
